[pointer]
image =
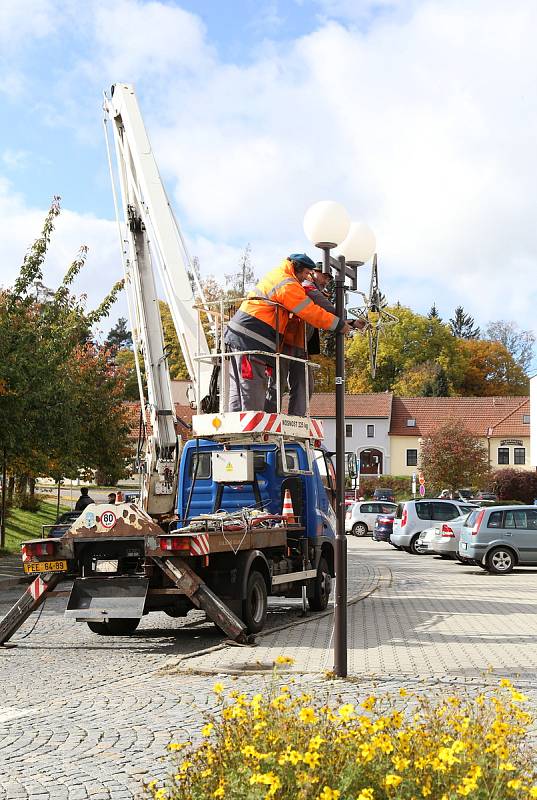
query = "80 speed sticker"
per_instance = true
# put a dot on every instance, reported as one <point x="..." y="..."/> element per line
<point x="108" y="519"/>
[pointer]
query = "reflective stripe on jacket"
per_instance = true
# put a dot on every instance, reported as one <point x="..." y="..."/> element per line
<point x="261" y="321"/>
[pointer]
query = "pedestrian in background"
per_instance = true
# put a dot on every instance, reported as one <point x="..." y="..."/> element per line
<point x="84" y="499"/>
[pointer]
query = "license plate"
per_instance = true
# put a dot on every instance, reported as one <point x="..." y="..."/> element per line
<point x="464" y="546"/>
<point x="45" y="566"/>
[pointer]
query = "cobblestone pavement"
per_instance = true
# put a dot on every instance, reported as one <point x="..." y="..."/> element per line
<point x="88" y="717"/>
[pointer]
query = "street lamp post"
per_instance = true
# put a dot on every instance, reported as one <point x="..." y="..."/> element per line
<point x="328" y="225"/>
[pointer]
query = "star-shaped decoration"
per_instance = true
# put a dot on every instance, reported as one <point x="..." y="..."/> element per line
<point x="374" y="303"/>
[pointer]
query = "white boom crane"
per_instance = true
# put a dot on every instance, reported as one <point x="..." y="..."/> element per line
<point x="150" y="236"/>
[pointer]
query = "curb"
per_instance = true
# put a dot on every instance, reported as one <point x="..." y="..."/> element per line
<point x="384" y="577"/>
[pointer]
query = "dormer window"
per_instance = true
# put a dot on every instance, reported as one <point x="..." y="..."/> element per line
<point x="526" y="419"/>
<point x="411" y="423"/>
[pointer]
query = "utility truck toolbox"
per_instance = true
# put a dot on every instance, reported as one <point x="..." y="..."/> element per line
<point x="233" y="465"/>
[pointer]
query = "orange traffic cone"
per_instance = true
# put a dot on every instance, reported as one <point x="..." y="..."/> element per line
<point x="288" y="510"/>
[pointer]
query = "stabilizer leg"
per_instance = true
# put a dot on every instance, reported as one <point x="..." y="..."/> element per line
<point x="31" y="600"/>
<point x="191" y="584"/>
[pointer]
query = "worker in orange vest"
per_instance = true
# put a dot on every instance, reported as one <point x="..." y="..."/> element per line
<point x="260" y="324"/>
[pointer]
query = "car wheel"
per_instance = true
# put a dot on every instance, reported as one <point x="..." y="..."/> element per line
<point x="254" y="605"/>
<point x="500" y="561"/>
<point x="413" y="548"/>
<point x="359" y="529"/>
<point x="114" y="627"/>
<point x="321" y="590"/>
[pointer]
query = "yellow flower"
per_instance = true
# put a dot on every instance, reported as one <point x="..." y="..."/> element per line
<point x="507" y="766"/>
<point x="219" y="792"/>
<point x="284" y="660"/>
<point x="515" y="784"/>
<point x="175" y="746"/>
<point x="505" y="682"/>
<point x="368" y="703"/>
<point x="206" y="730"/>
<point x="518" y="697"/>
<point x="329" y="794"/>
<point x="533" y="792"/>
<point x="307" y="715"/>
<point x="312" y="759"/>
<point x="403" y="692"/>
<point x="400" y="763"/>
<point x="392" y="780"/>
<point x="315" y="742"/>
<point x="160" y="794"/>
<point x="366" y="794"/>
<point x="346" y="712"/>
<point x="218" y="688"/>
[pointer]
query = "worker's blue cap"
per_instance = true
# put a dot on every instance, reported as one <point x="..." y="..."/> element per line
<point x="303" y="260"/>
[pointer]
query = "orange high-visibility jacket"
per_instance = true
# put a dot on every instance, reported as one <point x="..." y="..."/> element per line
<point x="260" y="321"/>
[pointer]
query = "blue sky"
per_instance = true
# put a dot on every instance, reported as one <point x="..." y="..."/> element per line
<point x="418" y="115"/>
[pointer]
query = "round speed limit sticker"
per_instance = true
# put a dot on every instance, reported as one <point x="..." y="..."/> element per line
<point x="108" y="519"/>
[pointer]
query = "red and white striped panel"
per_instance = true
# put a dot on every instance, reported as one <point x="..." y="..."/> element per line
<point x="199" y="545"/>
<point x="25" y="556"/>
<point x="260" y="422"/>
<point x="37" y="588"/>
<point x="316" y="428"/>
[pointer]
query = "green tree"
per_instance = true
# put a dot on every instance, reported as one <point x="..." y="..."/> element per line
<point x="452" y="457"/>
<point x="438" y="386"/>
<point x="462" y="325"/>
<point x="433" y="313"/>
<point x="119" y="336"/>
<point x="42" y="396"/>
<point x="244" y="279"/>
<point x="415" y="340"/>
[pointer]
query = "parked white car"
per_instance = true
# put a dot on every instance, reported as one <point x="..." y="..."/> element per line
<point x="442" y="539"/>
<point x="361" y="517"/>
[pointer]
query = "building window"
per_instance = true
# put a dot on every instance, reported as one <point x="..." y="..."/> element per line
<point x="412" y="458"/>
<point x="348" y="430"/>
<point x="370" y="431"/>
<point x="503" y="455"/>
<point x="411" y="423"/>
<point x="526" y="419"/>
<point x="520" y="455"/>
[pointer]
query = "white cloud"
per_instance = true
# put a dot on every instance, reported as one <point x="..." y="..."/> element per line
<point x="21" y="225"/>
<point x="15" y="159"/>
<point x="21" y="20"/>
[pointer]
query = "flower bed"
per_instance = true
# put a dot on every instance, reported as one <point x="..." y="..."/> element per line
<point x="284" y="745"/>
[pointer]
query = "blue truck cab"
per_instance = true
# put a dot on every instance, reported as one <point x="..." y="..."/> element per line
<point x="309" y="549"/>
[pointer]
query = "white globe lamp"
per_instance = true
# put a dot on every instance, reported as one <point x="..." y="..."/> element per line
<point x="326" y="223"/>
<point x="359" y="244"/>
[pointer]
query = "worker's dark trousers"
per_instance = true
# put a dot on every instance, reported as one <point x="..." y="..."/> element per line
<point x="292" y="380"/>
<point x="247" y="394"/>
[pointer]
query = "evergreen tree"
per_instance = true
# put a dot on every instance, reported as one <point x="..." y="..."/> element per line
<point x="119" y="336"/>
<point x="438" y="386"/>
<point x="433" y="313"/>
<point x="462" y="325"/>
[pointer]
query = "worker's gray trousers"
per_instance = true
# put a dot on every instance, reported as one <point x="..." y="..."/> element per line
<point x="292" y="380"/>
<point x="247" y="394"/>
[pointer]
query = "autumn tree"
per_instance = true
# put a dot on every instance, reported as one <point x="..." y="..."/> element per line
<point x="489" y="370"/>
<point x="452" y="457"/>
<point x="462" y="325"/>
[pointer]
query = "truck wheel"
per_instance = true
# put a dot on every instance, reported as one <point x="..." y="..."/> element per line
<point x="114" y="627"/>
<point x="254" y="606"/>
<point x="359" y="529"/>
<point x="321" y="587"/>
<point x="500" y="561"/>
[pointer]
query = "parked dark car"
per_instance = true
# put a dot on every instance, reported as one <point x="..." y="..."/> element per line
<point x="61" y="526"/>
<point x="486" y="497"/>
<point x="383" y="528"/>
<point x="384" y="494"/>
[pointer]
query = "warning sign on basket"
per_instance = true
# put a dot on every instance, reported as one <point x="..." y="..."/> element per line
<point x="108" y="519"/>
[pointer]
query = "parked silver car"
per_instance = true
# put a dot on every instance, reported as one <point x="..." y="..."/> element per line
<point x="361" y="517"/>
<point x="500" y="537"/>
<point x="413" y="516"/>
